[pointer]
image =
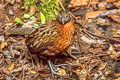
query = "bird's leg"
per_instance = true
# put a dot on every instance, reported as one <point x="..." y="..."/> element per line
<point x="31" y="59"/>
<point x="35" y="61"/>
<point x="75" y="51"/>
<point x="69" y="52"/>
<point x="53" y="68"/>
<point x="36" y="58"/>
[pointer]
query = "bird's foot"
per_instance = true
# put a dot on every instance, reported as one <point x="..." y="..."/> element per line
<point x="54" y="69"/>
<point x="71" y="51"/>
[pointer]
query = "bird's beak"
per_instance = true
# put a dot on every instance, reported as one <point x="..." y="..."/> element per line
<point x="63" y="21"/>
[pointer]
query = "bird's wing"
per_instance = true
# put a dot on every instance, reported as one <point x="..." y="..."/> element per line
<point x="42" y="37"/>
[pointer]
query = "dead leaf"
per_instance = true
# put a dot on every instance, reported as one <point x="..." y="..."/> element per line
<point x="91" y="41"/>
<point x="32" y="10"/>
<point x="11" y="67"/>
<point x="78" y="3"/>
<point x="103" y="22"/>
<point x="2" y="38"/>
<point x="33" y="72"/>
<point x="116" y="33"/>
<point x="97" y="31"/>
<point x="17" y="69"/>
<point x="113" y="54"/>
<point x="116" y="79"/>
<point x="109" y="0"/>
<point x="92" y="14"/>
<point x="117" y="74"/>
<point x="93" y="2"/>
<point x="115" y="17"/>
<point x="117" y="4"/>
<point x="108" y="32"/>
<point x="61" y="71"/>
<point x="5" y="71"/>
<point x="2" y="45"/>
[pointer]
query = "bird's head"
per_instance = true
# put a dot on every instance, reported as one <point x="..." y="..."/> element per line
<point x="63" y="17"/>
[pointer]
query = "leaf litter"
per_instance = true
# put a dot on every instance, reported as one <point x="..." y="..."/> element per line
<point x="97" y="41"/>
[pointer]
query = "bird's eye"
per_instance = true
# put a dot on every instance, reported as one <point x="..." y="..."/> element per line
<point x="63" y="17"/>
<point x="66" y="16"/>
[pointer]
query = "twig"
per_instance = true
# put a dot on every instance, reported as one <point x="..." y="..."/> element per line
<point x="77" y="20"/>
<point x="82" y="58"/>
<point x="61" y="5"/>
<point x="105" y="13"/>
<point x="7" y="18"/>
<point x="89" y="3"/>
<point x="4" y="5"/>
<point x="23" y="76"/>
<point x="112" y="39"/>
<point x="36" y="75"/>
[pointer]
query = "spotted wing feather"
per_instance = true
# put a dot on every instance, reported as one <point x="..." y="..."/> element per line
<point x="41" y="37"/>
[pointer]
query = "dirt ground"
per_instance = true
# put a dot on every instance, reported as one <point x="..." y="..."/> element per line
<point x="97" y="42"/>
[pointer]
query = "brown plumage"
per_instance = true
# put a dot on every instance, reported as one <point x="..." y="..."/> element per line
<point x="52" y="39"/>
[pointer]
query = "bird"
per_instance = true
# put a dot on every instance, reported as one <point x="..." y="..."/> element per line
<point x="52" y="39"/>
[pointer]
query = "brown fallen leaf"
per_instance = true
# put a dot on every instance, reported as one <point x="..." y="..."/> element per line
<point x="115" y="17"/>
<point x="61" y="71"/>
<point x="11" y="67"/>
<point x="97" y="31"/>
<point x="117" y="4"/>
<point x="5" y="71"/>
<point x="110" y="1"/>
<point x="92" y="14"/>
<point x="33" y="72"/>
<point x="113" y="54"/>
<point x="2" y="45"/>
<point x="116" y="79"/>
<point x="32" y="10"/>
<point x="91" y="41"/>
<point x="116" y="33"/>
<point x="74" y="3"/>
<point x="117" y="74"/>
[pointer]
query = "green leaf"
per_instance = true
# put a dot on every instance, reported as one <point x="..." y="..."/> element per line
<point x="35" y="26"/>
<point x="50" y="8"/>
<point x="32" y="18"/>
<point x="26" y="16"/>
<point x="18" y="20"/>
<point x="42" y="18"/>
<point x="23" y="7"/>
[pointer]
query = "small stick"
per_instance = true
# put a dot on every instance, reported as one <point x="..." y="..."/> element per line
<point x="4" y="5"/>
<point x="61" y="5"/>
<point x="83" y="58"/>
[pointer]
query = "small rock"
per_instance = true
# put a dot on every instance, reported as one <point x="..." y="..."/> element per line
<point x="2" y="38"/>
<point x="7" y="54"/>
<point x="1" y="5"/>
<point x="0" y="23"/>
<point x="102" y="5"/>
<point x="96" y="76"/>
<point x="8" y="78"/>
<point x="11" y="12"/>
<point x="21" y="61"/>
<point x="19" y="1"/>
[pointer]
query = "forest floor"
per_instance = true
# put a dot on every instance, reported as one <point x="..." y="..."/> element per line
<point x="97" y="40"/>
